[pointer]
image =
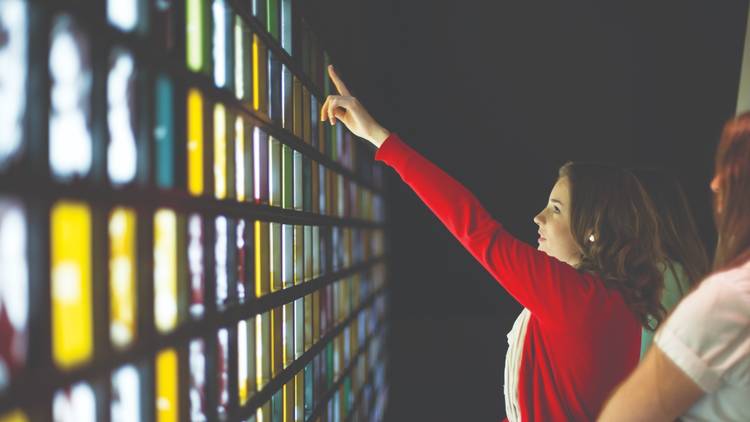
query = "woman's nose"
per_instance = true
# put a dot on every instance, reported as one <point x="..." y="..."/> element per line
<point x="538" y="219"/>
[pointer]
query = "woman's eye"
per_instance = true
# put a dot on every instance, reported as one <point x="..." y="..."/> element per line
<point x="556" y="209"/>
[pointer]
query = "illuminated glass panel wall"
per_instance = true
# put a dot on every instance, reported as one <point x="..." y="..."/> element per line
<point x="191" y="244"/>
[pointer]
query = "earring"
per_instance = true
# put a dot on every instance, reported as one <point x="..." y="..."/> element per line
<point x="592" y="238"/>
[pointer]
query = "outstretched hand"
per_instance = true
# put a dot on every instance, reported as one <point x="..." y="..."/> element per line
<point x="350" y="111"/>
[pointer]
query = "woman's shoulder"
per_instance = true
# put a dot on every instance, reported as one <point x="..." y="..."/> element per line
<point x="729" y="282"/>
<point x="720" y="294"/>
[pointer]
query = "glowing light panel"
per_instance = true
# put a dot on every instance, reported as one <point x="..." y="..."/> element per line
<point x="72" y="326"/>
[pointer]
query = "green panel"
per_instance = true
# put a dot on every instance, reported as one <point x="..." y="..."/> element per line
<point x="164" y="133"/>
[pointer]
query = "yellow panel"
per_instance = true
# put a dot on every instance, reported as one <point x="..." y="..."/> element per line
<point x="220" y="152"/>
<point x="122" y="276"/>
<point x="165" y="270"/>
<point x="239" y="158"/>
<point x="167" y="382"/>
<point x="195" y="142"/>
<point x="262" y="275"/>
<point x="14" y="416"/>
<point x="72" y="325"/>
<point x="256" y="76"/>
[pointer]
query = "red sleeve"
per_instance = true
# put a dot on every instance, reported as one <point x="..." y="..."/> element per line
<point x="549" y="288"/>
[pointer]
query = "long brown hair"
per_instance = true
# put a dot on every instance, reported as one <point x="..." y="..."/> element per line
<point x="609" y="204"/>
<point x="733" y="196"/>
<point x="677" y="229"/>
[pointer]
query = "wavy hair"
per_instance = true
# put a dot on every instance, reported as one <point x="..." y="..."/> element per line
<point x="609" y="204"/>
<point x="732" y="198"/>
<point x="677" y="229"/>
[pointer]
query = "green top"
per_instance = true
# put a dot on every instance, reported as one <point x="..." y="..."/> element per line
<point x="675" y="287"/>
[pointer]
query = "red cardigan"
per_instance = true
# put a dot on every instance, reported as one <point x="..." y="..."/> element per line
<point x="582" y="339"/>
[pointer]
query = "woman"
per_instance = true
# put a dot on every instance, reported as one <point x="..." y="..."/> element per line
<point x="700" y="367"/>
<point x="587" y="290"/>
<point x="686" y="259"/>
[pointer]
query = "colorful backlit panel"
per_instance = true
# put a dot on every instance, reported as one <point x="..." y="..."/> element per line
<point x="71" y="283"/>
<point x="14" y="290"/>
<point x="198" y="246"/>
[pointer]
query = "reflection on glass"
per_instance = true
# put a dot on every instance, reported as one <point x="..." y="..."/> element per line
<point x="13" y="70"/>
<point x="122" y="276"/>
<point x="164" y="132"/>
<point x="220" y="152"/>
<point x="239" y="58"/>
<point x="195" y="264"/>
<point x="286" y="97"/>
<point x="70" y="107"/>
<point x="239" y="158"/>
<point x="14" y="290"/>
<point x="195" y="142"/>
<point x="218" y="9"/>
<point x="260" y="166"/>
<point x="246" y="359"/>
<point x="76" y="403"/>
<point x="167" y="382"/>
<point x="220" y="254"/>
<point x="297" y="181"/>
<point x="286" y="25"/>
<point x="72" y="326"/>
<point x="263" y="349"/>
<point x="195" y="35"/>
<point x="299" y="327"/>
<point x="241" y="261"/>
<point x="121" y="116"/>
<point x="287" y="177"/>
<point x="165" y="270"/>
<point x="275" y="255"/>
<point x="287" y="252"/>
<point x="223" y="372"/>
<point x="287" y="334"/>
<point x="123" y="14"/>
<point x="274" y="171"/>
<point x="126" y="395"/>
<point x="197" y="381"/>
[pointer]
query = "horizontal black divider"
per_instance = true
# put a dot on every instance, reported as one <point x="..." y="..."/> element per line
<point x="135" y="196"/>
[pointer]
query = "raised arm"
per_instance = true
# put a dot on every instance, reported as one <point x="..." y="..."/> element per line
<point x="546" y="286"/>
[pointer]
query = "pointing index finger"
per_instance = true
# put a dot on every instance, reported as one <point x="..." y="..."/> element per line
<point x="338" y="82"/>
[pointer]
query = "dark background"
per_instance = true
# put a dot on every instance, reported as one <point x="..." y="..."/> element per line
<point x="500" y="94"/>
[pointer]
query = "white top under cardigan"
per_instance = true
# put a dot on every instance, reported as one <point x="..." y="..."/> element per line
<point x="516" y="338"/>
<point x="708" y="337"/>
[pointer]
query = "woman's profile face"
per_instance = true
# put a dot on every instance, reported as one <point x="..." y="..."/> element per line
<point x="555" y="237"/>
